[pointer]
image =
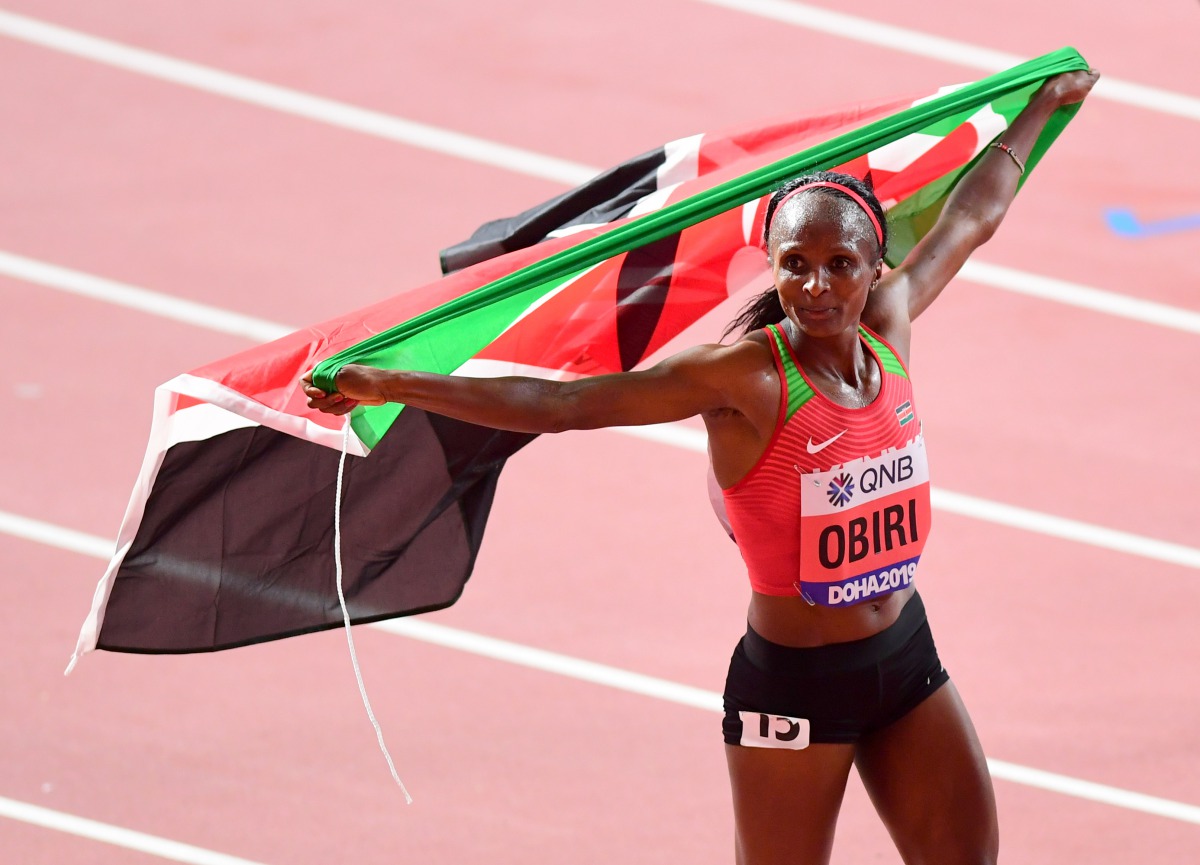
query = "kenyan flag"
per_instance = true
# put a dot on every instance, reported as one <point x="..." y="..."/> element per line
<point x="228" y="537"/>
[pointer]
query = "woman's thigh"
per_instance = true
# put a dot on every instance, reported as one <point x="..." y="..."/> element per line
<point x="785" y="803"/>
<point x="929" y="781"/>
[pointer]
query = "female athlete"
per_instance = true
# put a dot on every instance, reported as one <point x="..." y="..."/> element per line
<point x="817" y="449"/>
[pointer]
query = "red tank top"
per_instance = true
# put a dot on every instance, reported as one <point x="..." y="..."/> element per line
<point x="837" y="507"/>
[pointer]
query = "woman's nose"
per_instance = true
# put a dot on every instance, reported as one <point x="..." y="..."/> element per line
<point x="815" y="283"/>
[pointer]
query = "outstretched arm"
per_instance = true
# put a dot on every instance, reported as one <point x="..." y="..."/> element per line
<point x="698" y="380"/>
<point x="971" y="215"/>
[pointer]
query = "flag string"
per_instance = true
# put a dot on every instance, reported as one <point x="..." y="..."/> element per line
<point x="337" y="563"/>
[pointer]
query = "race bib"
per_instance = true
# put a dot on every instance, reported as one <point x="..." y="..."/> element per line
<point x="760" y="730"/>
<point x="863" y="526"/>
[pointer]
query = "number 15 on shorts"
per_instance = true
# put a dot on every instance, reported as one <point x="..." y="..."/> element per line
<point x="760" y="730"/>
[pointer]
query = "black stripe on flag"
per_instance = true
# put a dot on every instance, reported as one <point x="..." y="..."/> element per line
<point x="642" y="288"/>
<point x="608" y="196"/>
<point x="236" y="544"/>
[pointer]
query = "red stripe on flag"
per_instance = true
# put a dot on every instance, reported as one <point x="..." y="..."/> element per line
<point x="950" y="153"/>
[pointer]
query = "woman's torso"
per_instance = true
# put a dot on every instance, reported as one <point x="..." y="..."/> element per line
<point x="832" y="517"/>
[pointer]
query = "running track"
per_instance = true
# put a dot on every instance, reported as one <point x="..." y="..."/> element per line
<point x="1076" y="659"/>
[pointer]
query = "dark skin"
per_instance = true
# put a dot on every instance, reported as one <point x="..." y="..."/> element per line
<point x="926" y="773"/>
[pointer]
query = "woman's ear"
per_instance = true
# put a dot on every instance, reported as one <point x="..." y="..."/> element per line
<point x="878" y="273"/>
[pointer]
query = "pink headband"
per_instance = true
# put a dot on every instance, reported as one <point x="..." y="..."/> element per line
<point x="854" y="196"/>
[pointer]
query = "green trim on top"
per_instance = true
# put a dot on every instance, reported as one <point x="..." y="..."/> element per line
<point x="887" y="357"/>
<point x="799" y="391"/>
<point x="725" y="196"/>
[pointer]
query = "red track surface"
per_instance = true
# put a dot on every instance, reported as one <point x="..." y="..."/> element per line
<point x="1073" y="659"/>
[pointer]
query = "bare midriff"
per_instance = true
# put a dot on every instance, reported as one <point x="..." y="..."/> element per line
<point x="792" y="621"/>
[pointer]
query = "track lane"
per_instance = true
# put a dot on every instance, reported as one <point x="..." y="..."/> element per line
<point x="1072" y="830"/>
<point x="529" y="776"/>
<point x="1131" y="140"/>
<point x="337" y="220"/>
<point x="37" y="845"/>
<point x="155" y="849"/>
<point x="198" y="738"/>
<point x="603" y="583"/>
<point x="1164" y="61"/>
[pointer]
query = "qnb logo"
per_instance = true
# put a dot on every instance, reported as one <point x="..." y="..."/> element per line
<point x="760" y="730"/>
<point x="841" y="490"/>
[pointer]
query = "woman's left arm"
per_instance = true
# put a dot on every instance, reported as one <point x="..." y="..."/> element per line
<point x="972" y="213"/>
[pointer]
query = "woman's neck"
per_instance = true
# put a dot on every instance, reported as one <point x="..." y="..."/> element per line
<point x="838" y="366"/>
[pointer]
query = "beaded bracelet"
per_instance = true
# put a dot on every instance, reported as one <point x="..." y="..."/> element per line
<point x="1000" y="145"/>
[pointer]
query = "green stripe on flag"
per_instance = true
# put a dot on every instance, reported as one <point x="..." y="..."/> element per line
<point x="490" y="302"/>
<point x="443" y="346"/>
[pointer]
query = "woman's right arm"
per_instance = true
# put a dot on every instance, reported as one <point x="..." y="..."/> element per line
<point x="695" y="381"/>
<point x="971" y="214"/>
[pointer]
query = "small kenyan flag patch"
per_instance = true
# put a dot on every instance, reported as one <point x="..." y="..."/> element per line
<point x="904" y="412"/>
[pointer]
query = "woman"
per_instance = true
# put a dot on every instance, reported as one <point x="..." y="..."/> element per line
<point x="811" y="423"/>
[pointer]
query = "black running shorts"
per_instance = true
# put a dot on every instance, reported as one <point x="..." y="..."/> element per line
<point x="786" y="697"/>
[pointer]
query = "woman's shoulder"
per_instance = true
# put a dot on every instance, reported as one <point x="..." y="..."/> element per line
<point x="726" y="365"/>
<point x="752" y="350"/>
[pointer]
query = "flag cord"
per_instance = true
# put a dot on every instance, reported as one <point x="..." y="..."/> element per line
<point x="337" y="563"/>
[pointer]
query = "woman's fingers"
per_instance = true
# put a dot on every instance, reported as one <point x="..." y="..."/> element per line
<point x="357" y="382"/>
<point x="333" y="405"/>
<point x="343" y="407"/>
<point x="1072" y="87"/>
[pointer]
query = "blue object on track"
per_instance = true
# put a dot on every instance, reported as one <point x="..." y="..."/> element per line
<point x="1124" y="223"/>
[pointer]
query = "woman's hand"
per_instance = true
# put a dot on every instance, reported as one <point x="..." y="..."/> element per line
<point x="1069" y="87"/>
<point x="356" y="385"/>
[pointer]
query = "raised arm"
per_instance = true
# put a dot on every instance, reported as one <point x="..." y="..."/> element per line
<point x="971" y="215"/>
<point x="699" y="380"/>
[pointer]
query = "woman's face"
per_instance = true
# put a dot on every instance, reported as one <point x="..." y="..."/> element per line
<point x="825" y="259"/>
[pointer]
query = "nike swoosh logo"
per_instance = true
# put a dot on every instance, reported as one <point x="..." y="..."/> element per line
<point x="812" y="448"/>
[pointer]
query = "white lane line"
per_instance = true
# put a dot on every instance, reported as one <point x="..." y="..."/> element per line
<point x="571" y="173"/>
<point x="1080" y="789"/>
<point x="1037" y="522"/>
<point x="595" y="673"/>
<point x="686" y="695"/>
<point x="152" y="302"/>
<point x="1073" y="294"/>
<point x="294" y="102"/>
<point x="55" y="536"/>
<point x="907" y="41"/>
<point x="225" y="321"/>
<point x="425" y="136"/>
<point x="516" y="159"/>
<point x="552" y="662"/>
<point x="115" y="835"/>
<point x="676" y="435"/>
<point x="1060" y="527"/>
